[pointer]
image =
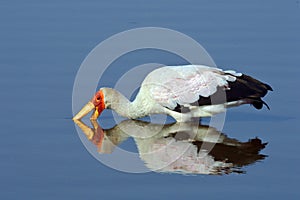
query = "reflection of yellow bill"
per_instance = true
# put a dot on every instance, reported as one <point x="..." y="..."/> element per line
<point x="89" y="133"/>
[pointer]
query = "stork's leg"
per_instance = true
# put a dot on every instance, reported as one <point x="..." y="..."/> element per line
<point x="236" y="103"/>
<point x="181" y="117"/>
<point x="209" y="110"/>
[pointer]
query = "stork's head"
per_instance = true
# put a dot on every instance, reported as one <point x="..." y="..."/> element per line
<point x="97" y="103"/>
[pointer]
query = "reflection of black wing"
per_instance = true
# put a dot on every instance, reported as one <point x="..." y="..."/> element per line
<point x="228" y="150"/>
<point x="242" y="154"/>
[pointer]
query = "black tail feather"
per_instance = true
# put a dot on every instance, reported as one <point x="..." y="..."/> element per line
<point x="268" y="87"/>
<point x="266" y="104"/>
<point x="258" y="103"/>
<point x="244" y="87"/>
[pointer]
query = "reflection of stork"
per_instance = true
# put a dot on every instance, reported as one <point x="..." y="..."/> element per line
<point x="178" y="147"/>
<point x="183" y="92"/>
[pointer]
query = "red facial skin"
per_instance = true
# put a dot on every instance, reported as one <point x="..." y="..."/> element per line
<point x="98" y="101"/>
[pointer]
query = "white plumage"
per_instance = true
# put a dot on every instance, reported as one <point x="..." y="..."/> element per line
<point x="182" y="85"/>
<point x="182" y="92"/>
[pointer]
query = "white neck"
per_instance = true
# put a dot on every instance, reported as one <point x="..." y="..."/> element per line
<point x="120" y="104"/>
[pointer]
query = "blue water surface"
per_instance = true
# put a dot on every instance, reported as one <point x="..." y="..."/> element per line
<point x="43" y="43"/>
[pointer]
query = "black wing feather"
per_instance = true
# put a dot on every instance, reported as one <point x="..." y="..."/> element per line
<point x="245" y="87"/>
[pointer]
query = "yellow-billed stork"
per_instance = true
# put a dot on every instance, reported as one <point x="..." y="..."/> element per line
<point x="183" y="92"/>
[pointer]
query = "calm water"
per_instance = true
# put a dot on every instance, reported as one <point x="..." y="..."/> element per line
<point x="42" y="46"/>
